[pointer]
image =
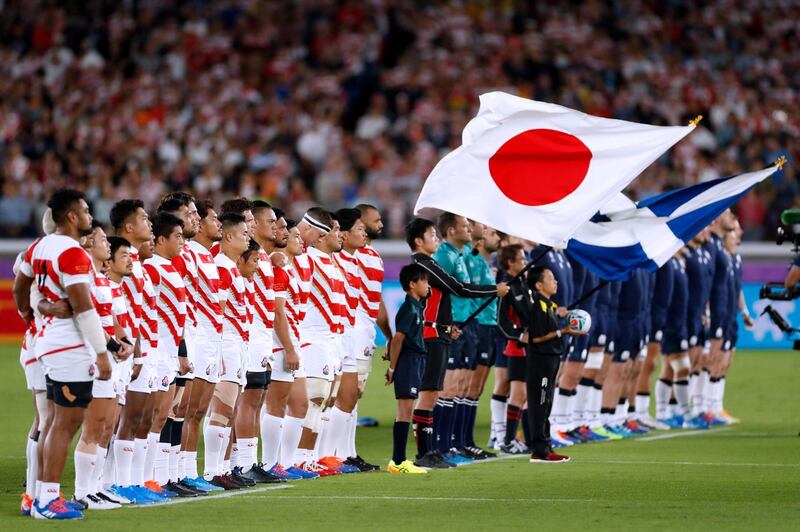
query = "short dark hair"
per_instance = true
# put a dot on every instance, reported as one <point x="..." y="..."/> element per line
<point x="122" y="210"/>
<point x="321" y="215"/>
<point x="259" y="206"/>
<point x="535" y="275"/>
<point x="364" y="207"/>
<point x="117" y="242"/>
<point x="237" y="205"/>
<point x="172" y="205"/>
<point x="252" y="247"/>
<point x="290" y="224"/>
<point x="164" y="223"/>
<point x="230" y="218"/>
<point x="416" y="229"/>
<point x="411" y="273"/>
<point x="96" y="223"/>
<point x="204" y="207"/>
<point x="446" y="221"/>
<point x="278" y="213"/>
<point x="62" y="201"/>
<point x="507" y="254"/>
<point x="184" y="198"/>
<point x="347" y="218"/>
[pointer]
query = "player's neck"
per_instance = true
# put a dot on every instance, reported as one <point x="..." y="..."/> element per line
<point x="71" y="232"/>
<point x="482" y="251"/>
<point x="225" y="250"/>
<point x="162" y="255"/>
<point x="350" y="250"/>
<point x="266" y="245"/>
<point x="114" y="277"/>
<point x="323" y="249"/>
<point x="134" y="242"/>
<point x="456" y="245"/>
<point x="98" y="265"/>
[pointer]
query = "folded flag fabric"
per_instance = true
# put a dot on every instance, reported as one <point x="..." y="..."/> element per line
<point x="539" y="170"/>
<point x="624" y="235"/>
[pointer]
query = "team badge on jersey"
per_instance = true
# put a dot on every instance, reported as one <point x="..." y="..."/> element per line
<point x="326" y="370"/>
<point x="165" y="381"/>
<point x="264" y="362"/>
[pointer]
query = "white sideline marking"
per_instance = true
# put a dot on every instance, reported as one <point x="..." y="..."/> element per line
<point x="684" y="433"/>
<point x="655" y="462"/>
<point x="400" y="498"/>
<point x="224" y="495"/>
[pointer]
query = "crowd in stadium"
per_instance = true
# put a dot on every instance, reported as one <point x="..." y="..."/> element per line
<point x="339" y="102"/>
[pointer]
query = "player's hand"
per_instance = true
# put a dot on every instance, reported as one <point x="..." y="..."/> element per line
<point x="103" y="367"/>
<point x="292" y="360"/>
<point x="387" y="352"/>
<point x="748" y="321"/>
<point x="525" y="338"/>
<point x="562" y="312"/>
<point x="183" y="366"/>
<point x="706" y="321"/>
<point x="137" y="369"/>
<point x="502" y="289"/>
<point x="279" y="260"/>
<point x="59" y="309"/>
<point x="567" y="330"/>
<point x="125" y="351"/>
<point x="27" y="316"/>
<point x="455" y="332"/>
<point x="389" y="376"/>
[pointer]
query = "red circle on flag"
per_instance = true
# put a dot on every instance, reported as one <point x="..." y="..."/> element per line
<point x="540" y="166"/>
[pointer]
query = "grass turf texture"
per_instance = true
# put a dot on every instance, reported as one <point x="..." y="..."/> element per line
<point x="742" y="477"/>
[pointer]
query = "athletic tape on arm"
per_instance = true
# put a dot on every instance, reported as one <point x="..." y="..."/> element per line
<point x="91" y="329"/>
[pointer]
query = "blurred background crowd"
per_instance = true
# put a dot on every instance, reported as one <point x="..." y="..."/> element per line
<point x="341" y="101"/>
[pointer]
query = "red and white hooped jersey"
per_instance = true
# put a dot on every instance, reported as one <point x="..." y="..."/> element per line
<point x="305" y="270"/>
<point x="25" y="266"/>
<point x="324" y="315"/>
<point x="232" y="291"/>
<point x="170" y="295"/>
<point x="287" y="288"/>
<point x="58" y="261"/>
<point x="186" y="265"/>
<point x="264" y="279"/>
<point x="352" y="284"/>
<point x="102" y="299"/>
<point x="148" y="325"/>
<point x="133" y="288"/>
<point x="370" y="268"/>
<point x="120" y="308"/>
<point x="208" y="311"/>
<point x="250" y="299"/>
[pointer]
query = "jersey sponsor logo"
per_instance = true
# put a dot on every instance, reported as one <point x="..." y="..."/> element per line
<point x="413" y="390"/>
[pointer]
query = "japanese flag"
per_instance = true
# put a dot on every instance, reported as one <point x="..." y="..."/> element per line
<point x="538" y="170"/>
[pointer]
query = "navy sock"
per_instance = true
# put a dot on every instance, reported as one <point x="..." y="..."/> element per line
<point x="400" y="432"/>
<point x="423" y="430"/>
<point x="459" y="418"/>
<point x="513" y="415"/>
<point x="445" y="432"/>
<point x="472" y="412"/>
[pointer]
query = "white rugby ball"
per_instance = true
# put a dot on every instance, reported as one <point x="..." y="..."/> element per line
<point x="579" y="321"/>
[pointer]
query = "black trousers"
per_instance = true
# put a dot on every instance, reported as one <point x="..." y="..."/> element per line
<point x="542" y="371"/>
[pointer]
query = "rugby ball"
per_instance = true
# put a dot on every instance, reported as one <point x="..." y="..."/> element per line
<point x="579" y="321"/>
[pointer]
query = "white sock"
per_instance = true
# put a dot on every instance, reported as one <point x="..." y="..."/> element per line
<point x="148" y="471"/>
<point x="99" y="469"/>
<point x="47" y="492"/>
<point x="708" y="394"/>
<point x="235" y="457"/>
<point x="174" y="458"/>
<point x="31" y="469"/>
<point x="140" y="446"/>
<point x="110" y="469"/>
<point x="338" y="431"/>
<point x="592" y="413"/>
<point x="84" y="471"/>
<point x="351" y="440"/>
<point x="696" y="383"/>
<point x="226" y="463"/>
<point x="323" y="446"/>
<point x="579" y="404"/>
<point x="161" y="464"/>
<point x="498" y="410"/>
<point x="190" y="469"/>
<point x="263" y="426"/>
<point x="292" y="430"/>
<point x="181" y="466"/>
<point x="681" y="388"/>
<point x="123" y="456"/>
<point x="214" y="437"/>
<point x="716" y="397"/>
<point x="642" y="405"/>
<point x="619" y="414"/>
<point x="560" y="411"/>
<point x="663" y="392"/>
<point x="271" y="432"/>
<point x="248" y="453"/>
<point x="721" y="394"/>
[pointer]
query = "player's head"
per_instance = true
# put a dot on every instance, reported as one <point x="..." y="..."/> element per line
<point x="184" y="207"/>
<point x="209" y="221"/>
<point x="542" y="280"/>
<point x="235" y="236"/>
<point x="120" y="263"/>
<point x="70" y="211"/>
<point x="490" y="239"/>
<point x="147" y="249"/>
<point x="511" y="259"/>
<point x="476" y="230"/>
<point x="265" y="221"/>
<point x="294" y="244"/>
<point x="248" y="262"/>
<point x="241" y="206"/>
<point x="130" y="220"/>
<point x="454" y="228"/>
<point x="315" y="224"/>
<point x="168" y="234"/>
<point x="731" y="240"/>
<point x="281" y="229"/>
<point x="421" y="236"/>
<point x="373" y="223"/>
<point x="96" y="244"/>
<point x="331" y="242"/>
<point x="354" y="232"/>
<point x="414" y="280"/>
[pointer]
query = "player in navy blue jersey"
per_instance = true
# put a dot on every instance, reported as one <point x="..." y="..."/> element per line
<point x="697" y="259"/>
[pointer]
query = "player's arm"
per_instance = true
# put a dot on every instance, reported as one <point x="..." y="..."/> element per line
<point x="281" y="325"/>
<point x="22" y="296"/>
<point x="394" y="354"/>
<point x="442" y="280"/>
<point x="88" y="323"/>
<point x="504" y="322"/>
<point x="748" y="321"/>
<point x="383" y="320"/>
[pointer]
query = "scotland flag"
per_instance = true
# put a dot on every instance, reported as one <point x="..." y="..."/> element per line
<point x="625" y="235"/>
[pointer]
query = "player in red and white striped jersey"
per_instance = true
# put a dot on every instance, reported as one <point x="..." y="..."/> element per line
<point x="207" y="335"/>
<point x="233" y="300"/>
<point x="170" y="293"/>
<point x="241" y="206"/>
<point x="71" y="350"/>
<point x="131" y="222"/>
<point x="259" y="348"/>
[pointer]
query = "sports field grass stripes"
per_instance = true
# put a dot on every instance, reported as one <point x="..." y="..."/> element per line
<point x="425" y="499"/>
<point x="671" y="435"/>
<point x="683" y="463"/>
<point x="210" y="497"/>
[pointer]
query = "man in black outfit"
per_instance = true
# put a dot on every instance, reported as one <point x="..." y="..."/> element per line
<point x="543" y="352"/>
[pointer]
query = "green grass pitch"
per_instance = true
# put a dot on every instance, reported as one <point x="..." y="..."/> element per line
<point x="744" y="477"/>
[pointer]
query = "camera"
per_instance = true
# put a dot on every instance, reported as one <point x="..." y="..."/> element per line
<point x="789" y="231"/>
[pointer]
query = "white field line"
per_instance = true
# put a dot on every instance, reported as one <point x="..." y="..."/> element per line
<point x="681" y="434"/>
<point x="225" y="495"/>
<point x="703" y="464"/>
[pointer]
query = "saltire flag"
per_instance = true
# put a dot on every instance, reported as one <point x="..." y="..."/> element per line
<point x="625" y="235"/>
<point x="539" y="170"/>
